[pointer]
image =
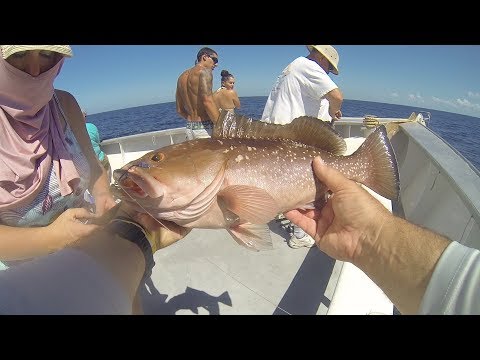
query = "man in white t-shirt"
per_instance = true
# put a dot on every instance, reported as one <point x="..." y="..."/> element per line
<point x="304" y="88"/>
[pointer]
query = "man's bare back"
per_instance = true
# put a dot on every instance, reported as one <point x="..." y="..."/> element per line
<point x="194" y="96"/>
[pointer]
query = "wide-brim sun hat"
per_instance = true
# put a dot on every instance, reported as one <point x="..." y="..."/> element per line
<point x="329" y="52"/>
<point x="8" y="50"/>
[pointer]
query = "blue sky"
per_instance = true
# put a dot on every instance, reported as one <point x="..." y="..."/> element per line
<point x="439" y="77"/>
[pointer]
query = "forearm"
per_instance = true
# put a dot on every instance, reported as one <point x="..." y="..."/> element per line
<point x="182" y="114"/>
<point x="211" y="109"/>
<point x="18" y="243"/>
<point x="400" y="259"/>
<point x="100" y="182"/>
<point x="98" y="275"/>
<point x="335" y="100"/>
<point x="120" y="257"/>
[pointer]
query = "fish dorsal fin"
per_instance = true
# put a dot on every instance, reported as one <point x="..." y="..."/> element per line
<point x="305" y="129"/>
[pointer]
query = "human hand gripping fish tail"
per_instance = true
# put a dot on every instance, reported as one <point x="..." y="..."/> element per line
<point x="249" y="172"/>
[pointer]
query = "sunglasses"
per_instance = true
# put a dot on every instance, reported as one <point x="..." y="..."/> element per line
<point x="214" y="59"/>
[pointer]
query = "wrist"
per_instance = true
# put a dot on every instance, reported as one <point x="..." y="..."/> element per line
<point x="370" y="242"/>
<point x="130" y="230"/>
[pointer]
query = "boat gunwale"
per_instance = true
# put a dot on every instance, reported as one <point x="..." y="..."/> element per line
<point x="450" y="168"/>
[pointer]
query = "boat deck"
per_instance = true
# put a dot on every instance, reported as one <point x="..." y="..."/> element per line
<point x="207" y="272"/>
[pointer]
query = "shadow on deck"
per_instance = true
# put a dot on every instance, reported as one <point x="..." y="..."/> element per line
<point x="209" y="273"/>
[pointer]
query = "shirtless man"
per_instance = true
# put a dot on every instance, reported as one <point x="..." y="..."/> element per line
<point x="194" y="96"/>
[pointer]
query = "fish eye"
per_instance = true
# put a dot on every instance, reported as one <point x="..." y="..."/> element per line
<point x="158" y="157"/>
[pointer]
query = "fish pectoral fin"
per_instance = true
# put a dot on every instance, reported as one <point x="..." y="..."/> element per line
<point x="254" y="237"/>
<point x="317" y="204"/>
<point x="251" y="204"/>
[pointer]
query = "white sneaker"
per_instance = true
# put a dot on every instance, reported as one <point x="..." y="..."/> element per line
<point x="305" y="241"/>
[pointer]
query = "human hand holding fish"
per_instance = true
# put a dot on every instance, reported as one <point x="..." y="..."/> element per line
<point x="159" y="234"/>
<point x="350" y="218"/>
<point x="248" y="172"/>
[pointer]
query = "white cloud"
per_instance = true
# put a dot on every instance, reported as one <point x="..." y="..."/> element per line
<point x="472" y="94"/>
<point x="394" y="94"/>
<point x="457" y="103"/>
<point x="467" y="104"/>
<point x="416" y="98"/>
<point x="444" y="102"/>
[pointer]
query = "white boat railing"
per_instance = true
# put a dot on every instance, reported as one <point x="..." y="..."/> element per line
<point x="123" y="149"/>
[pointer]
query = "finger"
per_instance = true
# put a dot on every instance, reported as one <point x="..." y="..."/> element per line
<point x="310" y="213"/>
<point x="332" y="178"/>
<point x="81" y="213"/>
<point x="104" y="204"/>
<point x="307" y="224"/>
<point x="325" y="219"/>
<point x="293" y="215"/>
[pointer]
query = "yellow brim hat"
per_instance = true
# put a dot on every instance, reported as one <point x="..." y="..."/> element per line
<point x="329" y="52"/>
<point x="8" y="50"/>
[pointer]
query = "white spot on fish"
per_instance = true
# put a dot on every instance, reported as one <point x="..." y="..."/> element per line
<point x="221" y="142"/>
<point x="249" y="148"/>
<point x="225" y="151"/>
<point x="239" y="158"/>
<point x="246" y="157"/>
<point x="231" y="147"/>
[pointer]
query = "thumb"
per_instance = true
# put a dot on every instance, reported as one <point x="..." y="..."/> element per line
<point x="332" y="178"/>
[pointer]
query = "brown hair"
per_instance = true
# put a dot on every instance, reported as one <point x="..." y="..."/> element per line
<point x="225" y="75"/>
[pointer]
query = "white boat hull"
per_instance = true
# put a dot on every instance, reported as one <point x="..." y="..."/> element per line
<point x="208" y="272"/>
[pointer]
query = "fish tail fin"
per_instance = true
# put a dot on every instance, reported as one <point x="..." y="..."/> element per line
<point x="382" y="177"/>
<point x="225" y="298"/>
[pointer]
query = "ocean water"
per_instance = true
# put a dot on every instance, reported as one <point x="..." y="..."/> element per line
<point x="460" y="131"/>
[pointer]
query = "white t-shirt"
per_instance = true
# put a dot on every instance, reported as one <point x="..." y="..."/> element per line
<point x="454" y="288"/>
<point x="299" y="91"/>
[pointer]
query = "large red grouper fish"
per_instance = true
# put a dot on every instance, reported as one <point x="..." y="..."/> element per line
<point x="250" y="171"/>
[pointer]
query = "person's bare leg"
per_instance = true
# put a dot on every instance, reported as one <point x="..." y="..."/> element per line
<point x="137" y="308"/>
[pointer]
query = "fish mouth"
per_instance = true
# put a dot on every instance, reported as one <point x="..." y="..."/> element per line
<point x="138" y="182"/>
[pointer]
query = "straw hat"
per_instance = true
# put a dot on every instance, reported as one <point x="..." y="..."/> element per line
<point x="8" y="50"/>
<point x="329" y="52"/>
